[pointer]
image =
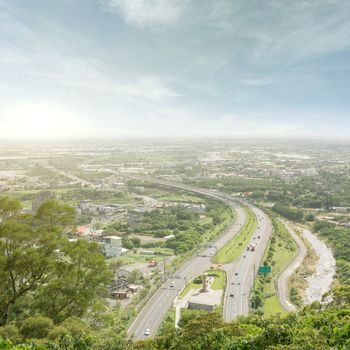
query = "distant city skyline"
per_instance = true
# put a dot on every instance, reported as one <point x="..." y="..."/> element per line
<point x="181" y="68"/>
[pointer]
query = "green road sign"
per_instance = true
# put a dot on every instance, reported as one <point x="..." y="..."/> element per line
<point x="265" y="269"/>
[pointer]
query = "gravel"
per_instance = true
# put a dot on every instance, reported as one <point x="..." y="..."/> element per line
<point x="321" y="281"/>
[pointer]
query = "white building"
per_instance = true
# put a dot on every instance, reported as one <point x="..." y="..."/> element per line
<point x="112" y="246"/>
<point x="197" y="208"/>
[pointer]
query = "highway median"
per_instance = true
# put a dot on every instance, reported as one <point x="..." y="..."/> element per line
<point x="235" y="247"/>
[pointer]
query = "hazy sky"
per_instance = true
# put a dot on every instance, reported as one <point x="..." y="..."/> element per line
<point x="104" y="68"/>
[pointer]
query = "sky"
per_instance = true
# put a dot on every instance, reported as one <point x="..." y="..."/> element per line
<point x="192" y="68"/>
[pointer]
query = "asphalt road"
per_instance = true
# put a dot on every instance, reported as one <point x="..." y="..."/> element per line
<point x="241" y="273"/>
<point x="282" y="282"/>
<point x="153" y="313"/>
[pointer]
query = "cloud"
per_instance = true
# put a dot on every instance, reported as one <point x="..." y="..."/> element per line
<point x="288" y="31"/>
<point x="257" y="81"/>
<point x="147" y="87"/>
<point x="147" y="12"/>
<point x="50" y="57"/>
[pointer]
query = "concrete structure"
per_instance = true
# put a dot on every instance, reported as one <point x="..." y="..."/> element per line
<point x="197" y="208"/>
<point x="200" y="306"/>
<point x="112" y="246"/>
<point x="86" y="207"/>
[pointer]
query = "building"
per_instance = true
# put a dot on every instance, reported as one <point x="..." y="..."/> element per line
<point x="197" y="208"/>
<point x="112" y="246"/>
<point x="86" y="207"/>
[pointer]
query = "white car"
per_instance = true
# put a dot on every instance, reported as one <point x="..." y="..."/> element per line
<point x="147" y="331"/>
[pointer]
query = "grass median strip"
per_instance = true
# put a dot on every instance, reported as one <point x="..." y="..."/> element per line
<point x="279" y="253"/>
<point x="196" y="283"/>
<point x="234" y="248"/>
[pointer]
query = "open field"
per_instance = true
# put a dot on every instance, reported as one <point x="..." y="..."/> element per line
<point x="272" y="307"/>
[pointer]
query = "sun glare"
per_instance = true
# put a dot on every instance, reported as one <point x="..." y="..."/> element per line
<point x="39" y="120"/>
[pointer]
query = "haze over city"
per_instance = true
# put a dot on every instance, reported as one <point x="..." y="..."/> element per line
<point x="116" y="68"/>
<point x="174" y="174"/>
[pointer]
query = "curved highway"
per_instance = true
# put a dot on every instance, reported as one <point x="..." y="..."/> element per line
<point x="240" y="279"/>
<point x="153" y="313"/>
<point x="241" y="274"/>
<point x="282" y="282"/>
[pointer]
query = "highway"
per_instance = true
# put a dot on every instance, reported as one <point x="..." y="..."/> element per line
<point x="153" y="313"/>
<point x="241" y="274"/>
<point x="282" y="282"/>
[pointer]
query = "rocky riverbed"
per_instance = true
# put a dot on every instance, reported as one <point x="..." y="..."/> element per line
<point x="321" y="281"/>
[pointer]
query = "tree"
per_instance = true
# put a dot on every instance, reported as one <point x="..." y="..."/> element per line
<point x="26" y="262"/>
<point x="115" y="264"/>
<point x="9" y="208"/>
<point x="55" y="214"/>
<point x="134" y="276"/>
<point x="37" y="262"/>
<point x="79" y="277"/>
<point x="37" y="327"/>
<point x="341" y="295"/>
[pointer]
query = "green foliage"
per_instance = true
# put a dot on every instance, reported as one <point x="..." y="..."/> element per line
<point x="131" y="243"/>
<point x="234" y="248"/>
<point x="310" y="217"/>
<point x="338" y="239"/>
<point x="295" y="297"/>
<point x="10" y="332"/>
<point x="55" y="214"/>
<point x="308" y="330"/>
<point x="38" y="262"/>
<point x="287" y="212"/>
<point x="37" y="327"/>
<point x="134" y="276"/>
<point x="186" y="226"/>
<point x="9" y="207"/>
<point x="94" y="195"/>
<point x="279" y="253"/>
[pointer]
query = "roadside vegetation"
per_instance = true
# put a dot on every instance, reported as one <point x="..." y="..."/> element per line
<point x="188" y="228"/>
<point x="279" y="253"/>
<point x="312" y="328"/>
<point x="52" y="288"/>
<point x="234" y="248"/>
<point x="297" y="282"/>
<point x="338" y="239"/>
<point x="320" y="191"/>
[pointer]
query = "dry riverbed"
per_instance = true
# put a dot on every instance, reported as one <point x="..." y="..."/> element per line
<point x="321" y="281"/>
